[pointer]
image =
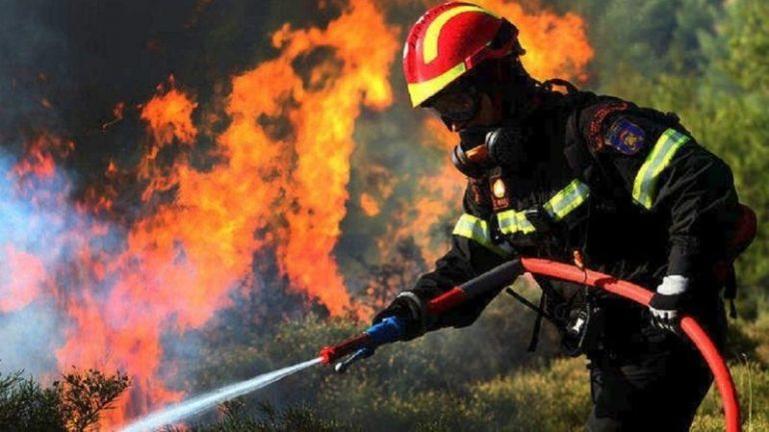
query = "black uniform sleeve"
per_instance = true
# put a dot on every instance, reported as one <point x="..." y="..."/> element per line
<point x="667" y="174"/>
<point x="465" y="260"/>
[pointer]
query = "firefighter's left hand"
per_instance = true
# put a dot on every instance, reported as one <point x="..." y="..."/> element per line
<point x="409" y="309"/>
<point x="667" y="302"/>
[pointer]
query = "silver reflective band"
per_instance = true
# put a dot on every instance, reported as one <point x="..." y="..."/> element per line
<point x="477" y="229"/>
<point x="567" y="200"/>
<point x="645" y="184"/>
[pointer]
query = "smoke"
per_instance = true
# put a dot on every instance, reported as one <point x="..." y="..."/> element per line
<point x="27" y="255"/>
<point x="44" y="241"/>
<point x="29" y="336"/>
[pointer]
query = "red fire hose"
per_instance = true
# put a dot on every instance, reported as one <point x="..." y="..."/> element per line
<point x="506" y="274"/>
<point x="642" y="296"/>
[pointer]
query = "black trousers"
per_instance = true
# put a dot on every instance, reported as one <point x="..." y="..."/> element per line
<point x="657" y="388"/>
<point x="659" y="393"/>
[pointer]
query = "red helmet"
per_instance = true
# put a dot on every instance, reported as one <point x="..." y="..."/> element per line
<point x="448" y="41"/>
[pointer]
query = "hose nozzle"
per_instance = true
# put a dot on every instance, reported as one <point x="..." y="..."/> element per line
<point x="362" y="353"/>
<point x="388" y="330"/>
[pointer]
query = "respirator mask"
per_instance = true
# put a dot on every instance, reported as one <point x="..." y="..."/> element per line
<point x="483" y="148"/>
<point x="480" y="147"/>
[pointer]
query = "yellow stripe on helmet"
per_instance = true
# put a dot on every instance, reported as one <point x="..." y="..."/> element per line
<point x="430" y="44"/>
<point x="424" y="90"/>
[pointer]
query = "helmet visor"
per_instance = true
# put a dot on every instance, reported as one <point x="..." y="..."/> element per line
<point x="456" y="106"/>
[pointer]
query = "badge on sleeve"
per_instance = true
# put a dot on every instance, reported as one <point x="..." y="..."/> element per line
<point x="625" y="136"/>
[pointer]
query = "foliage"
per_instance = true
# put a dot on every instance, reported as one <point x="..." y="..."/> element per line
<point x="72" y="404"/>
<point x="25" y="405"/>
<point x="82" y="396"/>
<point x="295" y="419"/>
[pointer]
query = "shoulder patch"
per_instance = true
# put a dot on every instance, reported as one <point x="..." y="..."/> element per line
<point x="625" y="137"/>
<point x="597" y="117"/>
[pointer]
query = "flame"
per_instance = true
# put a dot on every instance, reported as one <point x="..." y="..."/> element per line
<point x="38" y="162"/>
<point x="287" y="193"/>
<point x="556" y="46"/>
<point x="169" y="116"/>
<point x="323" y="145"/>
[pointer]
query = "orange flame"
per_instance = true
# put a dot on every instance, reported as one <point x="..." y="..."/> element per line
<point x="169" y="116"/>
<point x="556" y="46"/>
<point x="323" y="128"/>
<point x="38" y="161"/>
<point x="284" y="192"/>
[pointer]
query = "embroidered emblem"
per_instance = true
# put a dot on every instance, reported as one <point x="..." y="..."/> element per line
<point x="599" y="116"/>
<point x="625" y="136"/>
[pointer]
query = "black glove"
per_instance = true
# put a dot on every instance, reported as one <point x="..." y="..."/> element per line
<point x="410" y="308"/>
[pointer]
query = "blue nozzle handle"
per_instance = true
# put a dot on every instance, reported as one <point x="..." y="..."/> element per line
<point x="390" y="329"/>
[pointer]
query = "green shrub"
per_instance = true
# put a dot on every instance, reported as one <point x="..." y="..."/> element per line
<point x="74" y="403"/>
<point x="555" y="397"/>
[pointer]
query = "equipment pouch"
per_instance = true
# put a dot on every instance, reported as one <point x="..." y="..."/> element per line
<point x="582" y="332"/>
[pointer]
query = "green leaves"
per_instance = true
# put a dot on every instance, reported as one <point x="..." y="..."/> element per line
<point x="82" y="396"/>
<point x="72" y="403"/>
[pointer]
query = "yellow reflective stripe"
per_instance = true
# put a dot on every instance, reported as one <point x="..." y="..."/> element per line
<point x="644" y="186"/>
<point x="430" y="44"/>
<point x="512" y="222"/>
<point x="424" y="90"/>
<point x="567" y="199"/>
<point x="477" y="229"/>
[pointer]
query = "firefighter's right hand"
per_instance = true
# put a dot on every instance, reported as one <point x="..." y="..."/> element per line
<point x="666" y="304"/>
<point x="410" y="310"/>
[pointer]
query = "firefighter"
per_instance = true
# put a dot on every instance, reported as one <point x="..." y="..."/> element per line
<point x="555" y="172"/>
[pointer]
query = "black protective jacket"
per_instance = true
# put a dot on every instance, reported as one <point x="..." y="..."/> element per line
<point x="627" y="186"/>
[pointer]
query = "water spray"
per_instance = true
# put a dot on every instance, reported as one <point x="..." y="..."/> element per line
<point x="391" y="329"/>
<point x="198" y="404"/>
